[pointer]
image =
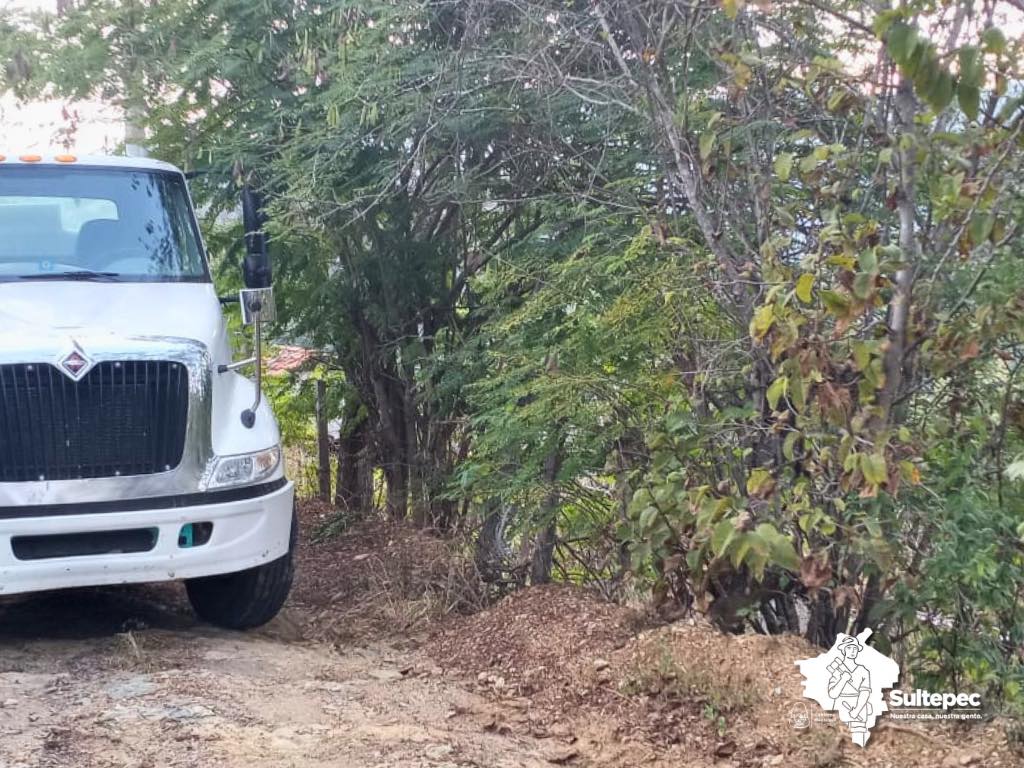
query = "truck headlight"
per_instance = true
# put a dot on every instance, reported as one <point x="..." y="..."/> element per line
<point x="247" y="468"/>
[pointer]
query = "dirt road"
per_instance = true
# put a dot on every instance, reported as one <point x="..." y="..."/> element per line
<point x="126" y="677"/>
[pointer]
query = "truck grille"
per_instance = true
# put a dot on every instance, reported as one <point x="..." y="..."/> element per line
<point x="122" y="418"/>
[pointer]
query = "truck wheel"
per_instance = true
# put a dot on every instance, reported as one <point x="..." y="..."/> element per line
<point x="247" y="599"/>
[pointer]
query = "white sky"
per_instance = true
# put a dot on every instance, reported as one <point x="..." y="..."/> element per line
<point x="42" y="127"/>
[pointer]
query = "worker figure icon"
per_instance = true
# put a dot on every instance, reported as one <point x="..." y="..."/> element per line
<point x="849" y="680"/>
<point x="850" y="687"/>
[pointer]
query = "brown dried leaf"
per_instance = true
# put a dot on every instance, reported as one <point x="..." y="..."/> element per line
<point x="845" y="594"/>
<point x="970" y="350"/>
<point x="815" y="572"/>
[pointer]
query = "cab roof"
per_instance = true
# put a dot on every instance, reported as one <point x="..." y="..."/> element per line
<point x="69" y="160"/>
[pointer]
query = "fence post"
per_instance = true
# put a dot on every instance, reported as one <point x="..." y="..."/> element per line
<point x="323" y="441"/>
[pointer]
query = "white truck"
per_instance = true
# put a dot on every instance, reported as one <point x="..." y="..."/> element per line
<point x="131" y="448"/>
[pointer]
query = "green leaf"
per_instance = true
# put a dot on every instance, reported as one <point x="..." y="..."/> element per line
<point x="875" y="374"/>
<point x="733" y="7"/>
<point x="784" y="166"/>
<point x="803" y="287"/>
<point x="757" y="559"/>
<point x="851" y="462"/>
<point x="994" y="40"/>
<point x="647" y="518"/>
<point x="835" y="302"/>
<point x="921" y="64"/>
<point x="868" y="260"/>
<point x="707" y="144"/>
<point x="694" y="558"/>
<point x="757" y="480"/>
<point x="784" y="554"/>
<point x="969" y="97"/>
<point x="883" y="22"/>
<point x="835" y="100"/>
<point x="642" y="498"/>
<point x="910" y="472"/>
<point x="939" y="91"/>
<point x="981" y="227"/>
<point x="863" y="285"/>
<point x="722" y="536"/>
<point x="811" y="161"/>
<point x="861" y="354"/>
<point x="972" y="69"/>
<point x="872" y="465"/>
<point x="796" y="392"/>
<point x="776" y="391"/>
<point x="780" y="548"/>
<point x="741" y="550"/>
<point x="789" y="445"/>
<point x="901" y="41"/>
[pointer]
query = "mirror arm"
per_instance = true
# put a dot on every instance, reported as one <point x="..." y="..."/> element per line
<point x="249" y="415"/>
<point x="236" y="365"/>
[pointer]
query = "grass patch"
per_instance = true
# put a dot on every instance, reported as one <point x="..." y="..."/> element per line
<point x="718" y="693"/>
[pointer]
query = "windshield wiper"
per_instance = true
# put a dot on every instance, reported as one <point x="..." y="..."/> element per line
<point x="78" y="274"/>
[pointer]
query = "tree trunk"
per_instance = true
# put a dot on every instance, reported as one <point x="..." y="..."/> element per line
<point x="906" y="207"/>
<point x="543" y="555"/>
<point x="389" y="397"/>
<point x="446" y="511"/>
<point x="396" y="475"/>
<point x="347" y="492"/>
<point x="366" y="499"/>
<point x="544" y="546"/>
<point x="491" y="555"/>
<point x="323" y="443"/>
<point x="355" y="476"/>
<point x="134" y="132"/>
<point x="416" y="461"/>
<point x="623" y="494"/>
<point x="134" y="102"/>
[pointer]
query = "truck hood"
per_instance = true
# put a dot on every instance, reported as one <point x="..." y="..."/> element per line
<point x="45" y="315"/>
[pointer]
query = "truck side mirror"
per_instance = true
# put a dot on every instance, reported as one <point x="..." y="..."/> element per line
<point x="256" y="269"/>
<point x="257" y="298"/>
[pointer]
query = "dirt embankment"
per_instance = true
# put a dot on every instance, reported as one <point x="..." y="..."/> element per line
<point x="682" y="694"/>
<point x="360" y="671"/>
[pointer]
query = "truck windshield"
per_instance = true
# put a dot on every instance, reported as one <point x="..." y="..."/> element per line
<point x="60" y="223"/>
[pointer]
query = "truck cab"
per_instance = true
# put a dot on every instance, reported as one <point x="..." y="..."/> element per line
<point x="132" y="447"/>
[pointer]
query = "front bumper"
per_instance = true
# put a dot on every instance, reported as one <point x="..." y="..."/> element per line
<point x="246" y="532"/>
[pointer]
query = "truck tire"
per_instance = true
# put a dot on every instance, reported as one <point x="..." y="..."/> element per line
<point x="246" y="599"/>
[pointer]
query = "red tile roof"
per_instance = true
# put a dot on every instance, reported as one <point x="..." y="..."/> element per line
<point x="289" y="360"/>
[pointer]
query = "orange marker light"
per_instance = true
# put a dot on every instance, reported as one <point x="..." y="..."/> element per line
<point x="2" y="158"/>
<point x="30" y="158"/>
<point x="65" y="158"/>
